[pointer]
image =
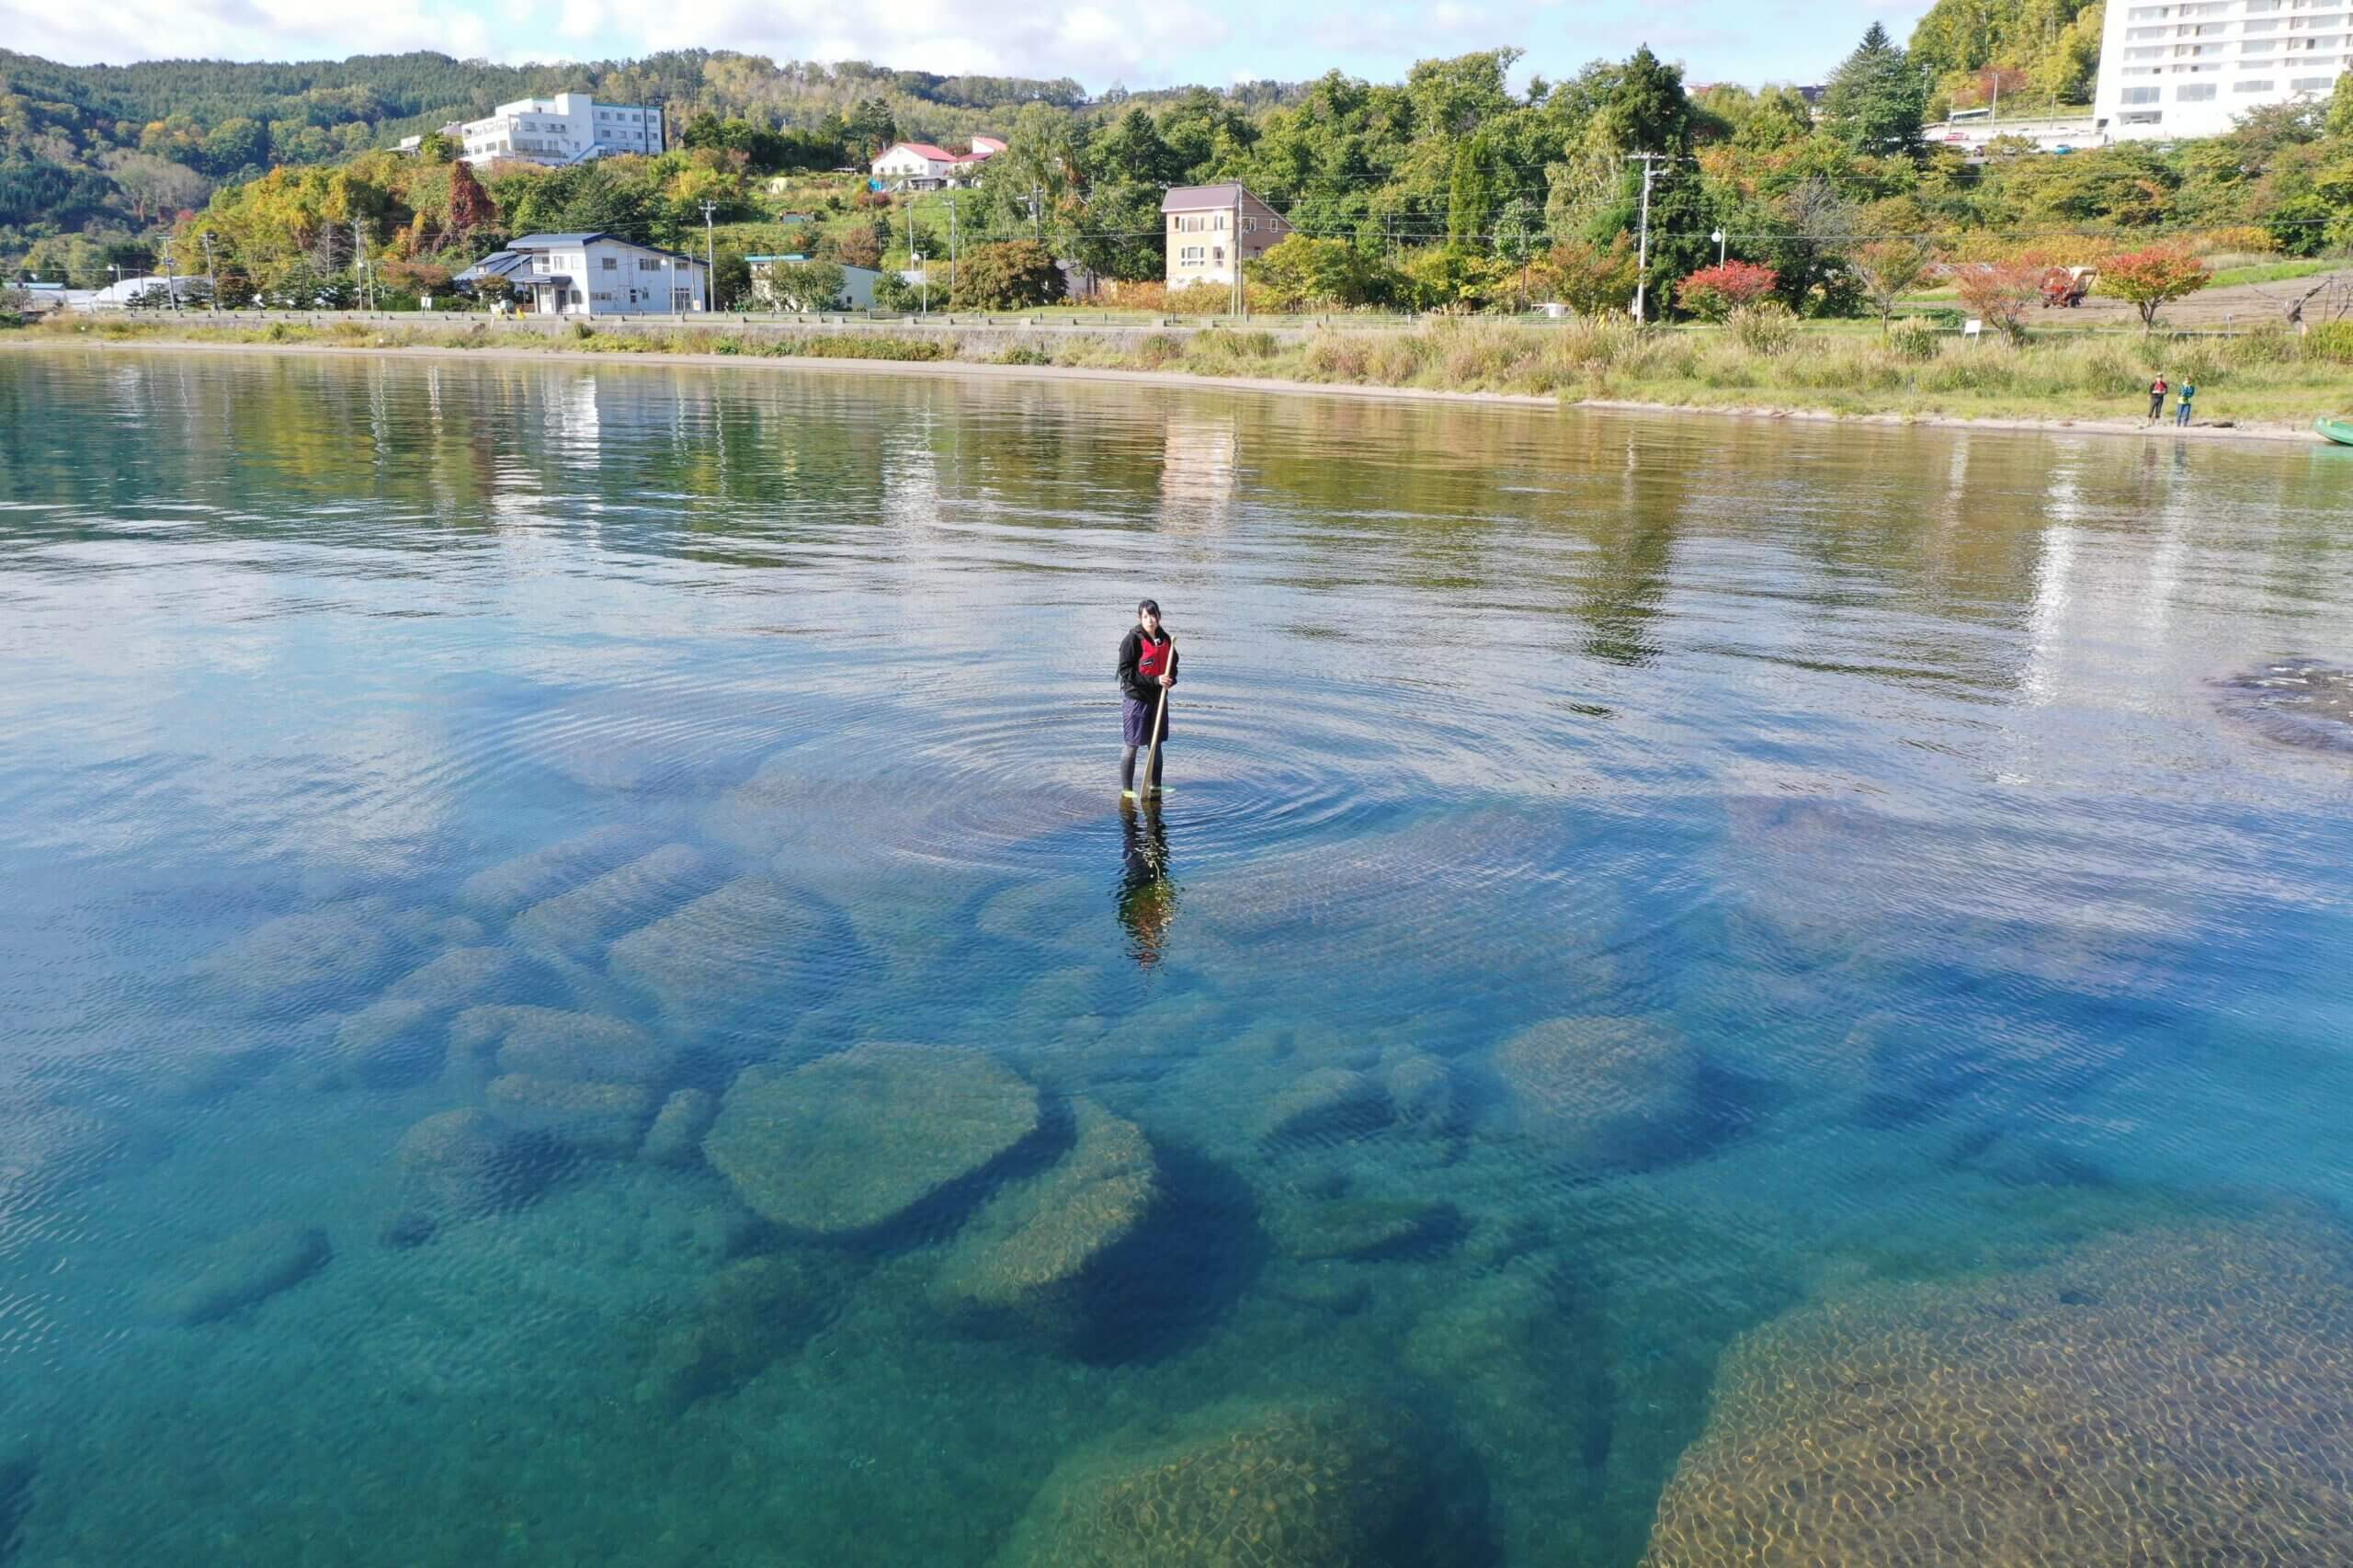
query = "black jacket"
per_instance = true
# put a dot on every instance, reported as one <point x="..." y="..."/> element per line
<point x="1131" y="650"/>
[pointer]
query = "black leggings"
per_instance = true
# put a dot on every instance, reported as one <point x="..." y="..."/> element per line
<point x="1128" y="767"/>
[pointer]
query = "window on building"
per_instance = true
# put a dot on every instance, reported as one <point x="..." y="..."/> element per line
<point x="1249" y="225"/>
<point x="2312" y="83"/>
<point x="647" y="264"/>
<point x="576" y="299"/>
<point x="2144" y="12"/>
<point x="2260" y="84"/>
<point x="2194" y="93"/>
<point x="2140" y="94"/>
<point x="2143" y="117"/>
<point x="1189" y="255"/>
<point x="612" y="263"/>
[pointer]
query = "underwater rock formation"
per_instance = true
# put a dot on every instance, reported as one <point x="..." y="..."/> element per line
<point x="1421" y="1088"/>
<point x="458" y="1163"/>
<point x="854" y="1142"/>
<point x="2169" y="1397"/>
<point x="599" y="1119"/>
<point x="585" y="917"/>
<point x="728" y="949"/>
<point x="458" y="978"/>
<point x="1034" y="1249"/>
<point x="1600" y="1092"/>
<point x="384" y="1045"/>
<point x="246" y="1269"/>
<point x="1303" y="1484"/>
<point x="749" y="1314"/>
<point x="299" y="963"/>
<point x="1313" y="1226"/>
<point x="1326" y="1103"/>
<point x="552" y="1042"/>
<point x="2297" y="702"/>
<point x="676" y="1137"/>
<point x="527" y="879"/>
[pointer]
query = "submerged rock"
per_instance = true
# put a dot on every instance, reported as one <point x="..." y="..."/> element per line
<point x="458" y="978"/>
<point x="386" y="1044"/>
<point x="246" y="1269"/>
<point x="2158" y="1398"/>
<point x="676" y="1137"/>
<point x="1422" y="1089"/>
<point x="1601" y="1092"/>
<point x="588" y="916"/>
<point x="2299" y="702"/>
<point x="855" y="1141"/>
<point x="464" y="1162"/>
<point x="300" y="962"/>
<point x="526" y="880"/>
<point x="1312" y="1226"/>
<point x="727" y="950"/>
<point x="749" y="1314"/>
<point x="552" y="1042"/>
<point x="1306" y="1484"/>
<point x="1327" y="1103"/>
<point x="602" y="1118"/>
<point x="1035" y="1249"/>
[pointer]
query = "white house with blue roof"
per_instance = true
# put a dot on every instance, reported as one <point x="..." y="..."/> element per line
<point x="595" y="275"/>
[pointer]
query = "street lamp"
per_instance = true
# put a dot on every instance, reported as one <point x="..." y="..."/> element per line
<point x="1719" y="237"/>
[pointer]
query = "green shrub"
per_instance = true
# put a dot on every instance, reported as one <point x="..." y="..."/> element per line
<point x="1768" y="329"/>
<point x="1914" y="340"/>
<point x="2331" y="343"/>
<point x="1021" y="354"/>
<point x="1233" y="343"/>
<point x="1159" y="349"/>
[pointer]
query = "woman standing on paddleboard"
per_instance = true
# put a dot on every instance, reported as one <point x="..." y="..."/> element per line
<point x="1147" y="670"/>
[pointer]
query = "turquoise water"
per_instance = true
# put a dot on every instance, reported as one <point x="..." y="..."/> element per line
<point x="1626" y="884"/>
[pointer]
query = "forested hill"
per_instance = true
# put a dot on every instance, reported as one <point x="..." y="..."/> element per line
<point x="115" y="147"/>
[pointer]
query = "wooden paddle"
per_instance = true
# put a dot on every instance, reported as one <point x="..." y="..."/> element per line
<point x="1159" y="712"/>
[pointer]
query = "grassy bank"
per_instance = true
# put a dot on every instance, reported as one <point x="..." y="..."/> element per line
<point x="2262" y="378"/>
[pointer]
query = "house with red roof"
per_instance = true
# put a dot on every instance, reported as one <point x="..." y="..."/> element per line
<point x="919" y="165"/>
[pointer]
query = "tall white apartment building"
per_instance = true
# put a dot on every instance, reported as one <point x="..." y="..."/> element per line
<point x="2180" y="70"/>
<point x="565" y="128"/>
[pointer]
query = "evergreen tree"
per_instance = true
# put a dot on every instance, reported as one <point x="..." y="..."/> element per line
<point x="1473" y="193"/>
<point x="1876" y="98"/>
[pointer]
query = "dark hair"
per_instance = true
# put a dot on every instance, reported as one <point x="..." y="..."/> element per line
<point x="1152" y="605"/>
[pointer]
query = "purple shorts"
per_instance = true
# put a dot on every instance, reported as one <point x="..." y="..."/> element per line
<point x="1135" y="721"/>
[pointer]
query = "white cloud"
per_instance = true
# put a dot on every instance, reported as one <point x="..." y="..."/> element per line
<point x="237" y="30"/>
<point x="1093" y="43"/>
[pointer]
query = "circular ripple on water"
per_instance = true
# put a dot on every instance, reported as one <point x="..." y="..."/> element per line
<point x="2297" y="701"/>
<point x="1029" y="785"/>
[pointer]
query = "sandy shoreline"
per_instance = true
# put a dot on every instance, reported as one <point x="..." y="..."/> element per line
<point x="2018" y="424"/>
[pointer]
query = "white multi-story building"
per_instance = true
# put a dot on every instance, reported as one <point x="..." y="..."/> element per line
<point x="593" y="274"/>
<point x="565" y="128"/>
<point x="2192" y="68"/>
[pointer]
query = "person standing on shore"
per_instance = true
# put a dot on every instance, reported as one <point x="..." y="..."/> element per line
<point x="2157" y="390"/>
<point x="1147" y="668"/>
<point x="2181" y="401"/>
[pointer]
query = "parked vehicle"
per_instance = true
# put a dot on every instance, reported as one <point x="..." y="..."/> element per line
<point x="2067" y="285"/>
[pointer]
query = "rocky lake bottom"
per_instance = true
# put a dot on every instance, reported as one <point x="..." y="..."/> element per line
<point x="580" y="990"/>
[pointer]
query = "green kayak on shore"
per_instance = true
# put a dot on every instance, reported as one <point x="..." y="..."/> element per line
<point x="2338" y="430"/>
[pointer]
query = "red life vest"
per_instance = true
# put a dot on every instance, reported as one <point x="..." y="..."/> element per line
<point x="1152" y="658"/>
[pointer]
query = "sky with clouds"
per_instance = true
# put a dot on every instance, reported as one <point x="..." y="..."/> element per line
<point x="1097" y="41"/>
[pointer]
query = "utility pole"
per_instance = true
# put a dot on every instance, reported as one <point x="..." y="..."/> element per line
<point x="952" y="253"/>
<point x="212" y="276"/>
<point x="1037" y="212"/>
<point x="1241" y="299"/>
<point x="359" y="259"/>
<point x="709" y="261"/>
<point x="1650" y="161"/>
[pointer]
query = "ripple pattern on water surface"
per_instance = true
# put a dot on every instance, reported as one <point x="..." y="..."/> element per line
<point x="574" y="957"/>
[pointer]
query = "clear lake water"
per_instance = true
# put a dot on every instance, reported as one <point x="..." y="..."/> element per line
<point x="578" y="989"/>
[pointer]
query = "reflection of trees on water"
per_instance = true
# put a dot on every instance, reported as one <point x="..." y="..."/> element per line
<point x="1148" y="894"/>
